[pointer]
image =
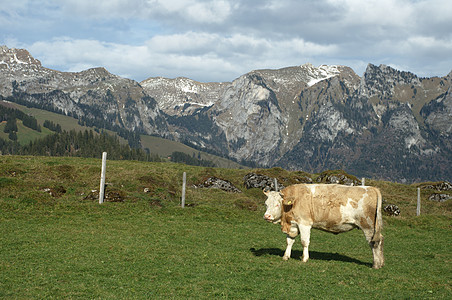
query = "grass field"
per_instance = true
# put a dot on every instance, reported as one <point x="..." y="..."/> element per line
<point x="148" y="247"/>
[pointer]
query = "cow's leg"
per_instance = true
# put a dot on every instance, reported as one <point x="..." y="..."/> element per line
<point x="376" y="244"/>
<point x="305" y="234"/>
<point x="293" y="232"/>
<point x="288" y="251"/>
<point x="377" y="251"/>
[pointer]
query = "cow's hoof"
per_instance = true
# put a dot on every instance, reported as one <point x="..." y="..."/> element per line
<point x="377" y="266"/>
<point x="285" y="257"/>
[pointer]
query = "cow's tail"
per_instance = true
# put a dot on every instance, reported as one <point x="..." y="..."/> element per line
<point x="378" y="218"/>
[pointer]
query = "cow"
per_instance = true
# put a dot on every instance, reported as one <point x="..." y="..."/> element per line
<point x="329" y="207"/>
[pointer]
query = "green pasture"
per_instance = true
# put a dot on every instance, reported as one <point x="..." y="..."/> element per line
<point x="26" y="134"/>
<point x="148" y="247"/>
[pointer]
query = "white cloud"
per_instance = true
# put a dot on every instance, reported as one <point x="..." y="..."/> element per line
<point x="189" y="10"/>
<point x="428" y="52"/>
<point x="222" y="39"/>
<point x="170" y="6"/>
<point x="376" y="12"/>
<point x="209" y="12"/>
<point x="103" y="9"/>
<point x="186" y="42"/>
<point x="309" y="48"/>
<point x="209" y="57"/>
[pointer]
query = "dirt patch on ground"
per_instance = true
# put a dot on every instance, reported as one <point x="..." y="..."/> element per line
<point x="56" y="191"/>
<point x="246" y="204"/>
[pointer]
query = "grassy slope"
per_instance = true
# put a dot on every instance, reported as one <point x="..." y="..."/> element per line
<point x="26" y="135"/>
<point x="159" y="146"/>
<point x="67" y="123"/>
<point x="165" y="148"/>
<point x="68" y="247"/>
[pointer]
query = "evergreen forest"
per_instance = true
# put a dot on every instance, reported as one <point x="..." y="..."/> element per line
<point x="64" y="143"/>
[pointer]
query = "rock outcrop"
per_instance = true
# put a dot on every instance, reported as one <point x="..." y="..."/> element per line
<point x="439" y="197"/>
<point x="391" y="210"/>
<point x="253" y="180"/>
<point x="439" y="186"/>
<point x="338" y="177"/>
<point x="217" y="183"/>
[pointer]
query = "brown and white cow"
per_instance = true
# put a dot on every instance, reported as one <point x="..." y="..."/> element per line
<point x="329" y="207"/>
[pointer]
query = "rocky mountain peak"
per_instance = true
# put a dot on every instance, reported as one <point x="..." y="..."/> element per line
<point x="320" y="73"/>
<point x="182" y="96"/>
<point x="448" y="76"/>
<point x="14" y="59"/>
<point x="305" y="74"/>
<point x="380" y="81"/>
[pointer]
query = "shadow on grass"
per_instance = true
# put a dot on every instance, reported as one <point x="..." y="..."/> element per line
<point x="314" y="255"/>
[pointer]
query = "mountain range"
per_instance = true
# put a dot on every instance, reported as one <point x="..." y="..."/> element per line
<point x="387" y="124"/>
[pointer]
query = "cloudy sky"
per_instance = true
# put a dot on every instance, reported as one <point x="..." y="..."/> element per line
<point x="220" y="40"/>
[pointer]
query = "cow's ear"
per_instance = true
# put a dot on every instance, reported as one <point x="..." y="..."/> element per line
<point x="289" y="201"/>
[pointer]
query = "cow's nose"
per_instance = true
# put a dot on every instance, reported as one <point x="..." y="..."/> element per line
<point x="268" y="217"/>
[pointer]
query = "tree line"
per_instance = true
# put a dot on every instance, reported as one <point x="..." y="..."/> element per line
<point x="67" y="143"/>
<point x="86" y="143"/>
<point x="10" y="115"/>
<point x="133" y="137"/>
<point x="52" y="126"/>
<point x="41" y="102"/>
<point x="181" y="157"/>
<point x="78" y="144"/>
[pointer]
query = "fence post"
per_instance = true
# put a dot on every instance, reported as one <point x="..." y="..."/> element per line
<point x="184" y="180"/>
<point x="363" y="181"/>
<point x="418" y="207"/>
<point x="102" y="178"/>
<point x="276" y="184"/>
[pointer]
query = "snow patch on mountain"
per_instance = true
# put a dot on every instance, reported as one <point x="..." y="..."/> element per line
<point x="321" y="73"/>
<point x="16" y="58"/>
<point x="182" y="96"/>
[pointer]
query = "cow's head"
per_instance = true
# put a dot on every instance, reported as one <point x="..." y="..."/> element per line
<point x="274" y="206"/>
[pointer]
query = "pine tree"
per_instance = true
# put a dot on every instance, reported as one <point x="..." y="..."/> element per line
<point x="11" y="125"/>
<point x="12" y="136"/>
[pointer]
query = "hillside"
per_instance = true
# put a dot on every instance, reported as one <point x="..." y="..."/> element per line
<point x="387" y="124"/>
<point x="158" y="146"/>
<point x="58" y="242"/>
<point x="132" y="177"/>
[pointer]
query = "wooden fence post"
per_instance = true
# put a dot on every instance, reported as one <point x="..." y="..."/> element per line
<point x="363" y="181"/>
<point x="276" y="184"/>
<point x="102" y="178"/>
<point x="418" y="207"/>
<point x="184" y="180"/>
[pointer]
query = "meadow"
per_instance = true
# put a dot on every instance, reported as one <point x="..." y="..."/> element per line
<point x="67" y="245"/>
